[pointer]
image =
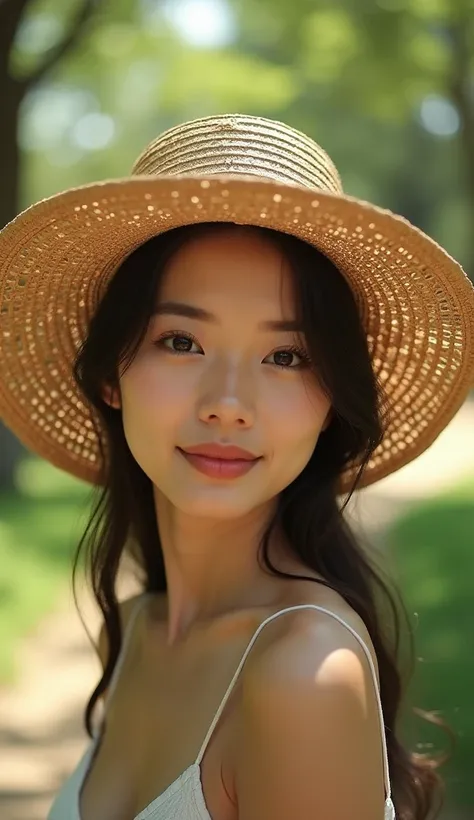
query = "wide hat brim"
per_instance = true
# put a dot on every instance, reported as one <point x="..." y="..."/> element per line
<point x="57" y="258"/>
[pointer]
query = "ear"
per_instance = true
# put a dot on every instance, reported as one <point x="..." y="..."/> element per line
<point x="111" y="396"/>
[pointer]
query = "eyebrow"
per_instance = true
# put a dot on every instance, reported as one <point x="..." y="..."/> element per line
<point x="193" y="312"/>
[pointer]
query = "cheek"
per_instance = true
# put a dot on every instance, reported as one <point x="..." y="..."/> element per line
<point x="297" y="413"/>
<point x="155" y="405"/>
<point x="294" y="425"/>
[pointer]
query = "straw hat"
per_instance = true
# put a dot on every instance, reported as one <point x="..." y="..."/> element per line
<point x="57" y="257"/>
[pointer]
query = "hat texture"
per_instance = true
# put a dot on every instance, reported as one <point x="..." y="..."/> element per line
<point x="58" y="256"/>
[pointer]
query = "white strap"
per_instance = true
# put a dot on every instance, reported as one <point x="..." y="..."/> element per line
<point x="369" y="658"/>
<point x="126" y="642"/>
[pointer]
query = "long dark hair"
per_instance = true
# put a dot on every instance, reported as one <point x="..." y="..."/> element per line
<point x="123" y="519"/>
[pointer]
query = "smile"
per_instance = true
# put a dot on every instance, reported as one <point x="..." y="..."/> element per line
<point x="219" y="467"/>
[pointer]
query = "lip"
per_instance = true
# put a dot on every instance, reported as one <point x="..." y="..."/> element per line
<point x="218" y="467"/>
<point x="220" y="451"/>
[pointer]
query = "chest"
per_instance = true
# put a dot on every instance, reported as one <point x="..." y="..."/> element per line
<point x="156" y="722"/>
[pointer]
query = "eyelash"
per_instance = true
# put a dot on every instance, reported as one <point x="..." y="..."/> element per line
<point x="171" y="334"/>
<point x="299" y="351"/>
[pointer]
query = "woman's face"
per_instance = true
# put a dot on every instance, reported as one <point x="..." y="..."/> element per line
<point x="224" y="375"/>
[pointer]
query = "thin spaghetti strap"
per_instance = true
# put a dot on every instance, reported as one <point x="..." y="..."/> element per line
<point x="123" y="649"/>
<point x="372" y="668"/>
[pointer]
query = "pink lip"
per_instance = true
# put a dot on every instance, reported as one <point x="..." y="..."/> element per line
<point x="219" y="467"/>
<point x="220" y="451"/>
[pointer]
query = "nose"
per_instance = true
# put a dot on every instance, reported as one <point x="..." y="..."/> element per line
<point x="228" y="396"/>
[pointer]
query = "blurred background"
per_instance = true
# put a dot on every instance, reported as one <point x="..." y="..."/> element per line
<point x="387" y="88"/>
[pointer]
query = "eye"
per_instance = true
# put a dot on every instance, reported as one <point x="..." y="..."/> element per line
<point x="179" y="342"/>
<point x="287" y="355"/>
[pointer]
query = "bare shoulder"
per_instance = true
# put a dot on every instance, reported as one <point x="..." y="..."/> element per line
<point x="326" y="630"/>
<point x="309" y="716"/>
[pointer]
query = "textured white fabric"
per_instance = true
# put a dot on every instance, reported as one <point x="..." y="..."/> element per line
<point x="184" y="798"/>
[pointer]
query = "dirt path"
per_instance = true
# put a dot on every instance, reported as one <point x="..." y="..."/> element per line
<point x="41" y="731"/>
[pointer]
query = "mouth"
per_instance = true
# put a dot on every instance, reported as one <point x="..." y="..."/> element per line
<point x="223" y="468"/>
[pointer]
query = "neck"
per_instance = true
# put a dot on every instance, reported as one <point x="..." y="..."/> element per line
<point x="211" y="566"/>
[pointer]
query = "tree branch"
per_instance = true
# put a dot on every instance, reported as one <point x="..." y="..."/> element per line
<point x="58" y="52"/>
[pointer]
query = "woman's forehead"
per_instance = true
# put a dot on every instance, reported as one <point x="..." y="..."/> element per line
<point x="230" y="264"/>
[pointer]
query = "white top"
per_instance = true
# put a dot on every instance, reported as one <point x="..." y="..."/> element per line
<point x="184" y="798"/>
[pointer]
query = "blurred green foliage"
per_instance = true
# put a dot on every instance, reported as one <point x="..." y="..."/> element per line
<point x="39" y="530"/>
<point x="377" y="84"/>
<point x="432" y="547"/>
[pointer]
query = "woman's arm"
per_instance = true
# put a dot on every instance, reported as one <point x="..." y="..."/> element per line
<point x="309" y="743"/>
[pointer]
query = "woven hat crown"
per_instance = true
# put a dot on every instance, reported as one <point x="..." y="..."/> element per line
<point x="243" y="144"/>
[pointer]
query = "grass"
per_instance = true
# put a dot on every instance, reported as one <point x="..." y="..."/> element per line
<point x="433" y="551"/>
<point x="39" y="529"/>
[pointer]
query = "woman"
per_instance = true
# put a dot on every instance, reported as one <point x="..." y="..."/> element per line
<point x="226" y="343"/>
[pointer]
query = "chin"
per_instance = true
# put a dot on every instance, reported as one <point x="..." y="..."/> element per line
<point x="214" y="506"/>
